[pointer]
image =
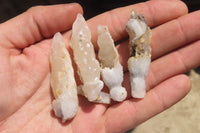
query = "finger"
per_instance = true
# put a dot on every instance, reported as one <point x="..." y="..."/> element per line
<point x="169" y="36"/>
<point x="130" y="113"/>
<point x="175" y="34"/>
<point x="155" y="12"/>
<point x="37" y="23"/>
<point x="177" y="62"/>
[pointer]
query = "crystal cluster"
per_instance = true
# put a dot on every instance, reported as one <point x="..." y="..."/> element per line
<point x="63" y="83"/>
<point x="90" y="70"/>
<point x="112" y="71"/>
<point x="88" y="66"/>
<point x="140" y="53"/>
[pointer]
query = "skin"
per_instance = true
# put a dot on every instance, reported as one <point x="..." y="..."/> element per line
<point x="25" y="93"/>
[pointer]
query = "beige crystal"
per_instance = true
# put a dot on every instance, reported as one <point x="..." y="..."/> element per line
<point x="112" y="71"/>
<point x="85" y="58"/>
<point x="63" y="83"/>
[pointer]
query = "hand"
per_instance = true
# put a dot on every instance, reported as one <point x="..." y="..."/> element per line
<point x="25" y="93"/>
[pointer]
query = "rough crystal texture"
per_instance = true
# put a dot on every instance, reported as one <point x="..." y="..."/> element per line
<point x="84" y="56"/>
<point x="102" y="98"/>
<point x="112" y="71"/>
<point x="108" y="55"/>
<point x="140" y="53"/>
<point x="63" y="83"/>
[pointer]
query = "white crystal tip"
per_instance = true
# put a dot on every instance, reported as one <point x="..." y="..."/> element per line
<point x="138" y="87"/>
<point x="65" y="107"/>
<point x="138" y="94"/>
<point x="118" y="93"/>
<point x="92" y="89"/>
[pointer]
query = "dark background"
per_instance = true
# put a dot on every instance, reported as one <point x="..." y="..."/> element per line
<point x="11" y="8"/>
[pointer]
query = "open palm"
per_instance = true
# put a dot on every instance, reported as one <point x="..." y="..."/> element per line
<point x="25" y="41"/>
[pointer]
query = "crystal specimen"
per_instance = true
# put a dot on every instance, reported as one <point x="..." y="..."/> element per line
<point x="140" y="53"/>
<point x="63" y="83"/>
<point x="112" y="71"/>
<point x="84" y="56"/>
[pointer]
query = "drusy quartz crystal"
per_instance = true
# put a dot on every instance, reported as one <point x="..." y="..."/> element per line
<point x="88" y="66"/>
<point x="112" y="71"/>
<point x="140" y="53"/>
<point x="63" y="83"/>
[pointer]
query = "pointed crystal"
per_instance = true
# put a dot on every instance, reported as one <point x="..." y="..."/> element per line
<point x="112" y="71"/>
<point x="140" y="53"/>
<point x="63" y="83"/>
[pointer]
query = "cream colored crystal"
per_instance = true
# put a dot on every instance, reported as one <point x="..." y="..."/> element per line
<point x="108" y="54"/>
<point x="63" y="83"/>
<point x="112" y="71"/>
<point x="84" y="56"/>
<point x="102" y="98"/>
<point x="140" y="53"/>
